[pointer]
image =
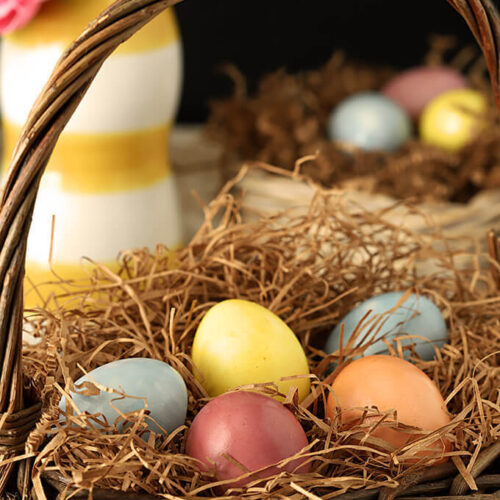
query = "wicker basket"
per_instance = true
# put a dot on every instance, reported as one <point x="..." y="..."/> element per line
<point x="60" y="97"/>
<point x="270" y="193"/>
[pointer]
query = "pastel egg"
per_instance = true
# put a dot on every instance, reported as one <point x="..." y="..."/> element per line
<point x="453" y="119"/>
<point x="369" y="121"/>
<point x="149" y="379"/>
<point x="415" y="88"/>
<point x="389" y="383"/>
<point x="255" y="430"/>
<point x="382" y="317"/>
<point x="239" y="342"/>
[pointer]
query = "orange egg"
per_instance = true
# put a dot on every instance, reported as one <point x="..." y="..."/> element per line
<point x="391" y="383"/>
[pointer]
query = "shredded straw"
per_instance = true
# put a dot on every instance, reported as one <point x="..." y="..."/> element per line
<point x="310" y="267"/>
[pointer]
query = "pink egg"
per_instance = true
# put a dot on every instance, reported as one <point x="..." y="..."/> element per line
<point x="256" y="430"/>
<point x="414" y="88"/>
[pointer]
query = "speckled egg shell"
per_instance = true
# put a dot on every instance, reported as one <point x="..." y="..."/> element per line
<point x="239" y="342"/>
<point x="415" y="88"/>
<point x="158" y="383"/>
<point x="369" y="121"/>
<point x="254" y="430"/>
<point x="416" y="316"/>
<point x="454" y="119"/>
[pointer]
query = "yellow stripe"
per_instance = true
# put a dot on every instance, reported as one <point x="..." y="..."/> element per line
<point x="61" y="21"/>
<point x="46" y="287"/>
<point x="42" y="284"/>
<point x="99" y="163"/>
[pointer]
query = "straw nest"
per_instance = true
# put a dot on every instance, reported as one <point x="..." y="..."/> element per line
<point x="286" y="119"/>
<point x="308" y="267"/>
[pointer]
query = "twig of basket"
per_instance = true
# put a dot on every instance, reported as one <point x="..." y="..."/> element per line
<point x="438" y="479"/>
<point x="485" y="459"/>
<point x="484" y="22"/>
<point x="494" y="251"/>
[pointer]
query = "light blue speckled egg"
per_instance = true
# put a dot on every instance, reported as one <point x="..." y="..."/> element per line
<point x="416" y="316"/>
<point x="161" y="386"/>
<point x="369" y="121"/>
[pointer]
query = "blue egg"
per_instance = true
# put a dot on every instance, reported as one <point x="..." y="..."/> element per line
<point x="150" y="379"/>
<point x="416" y="316"/>
<point x="369" y="121"/>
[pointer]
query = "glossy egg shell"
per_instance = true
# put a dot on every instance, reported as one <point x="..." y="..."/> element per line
<point x="453" y="119"/>
<point x="417" y="315"/>
<point x="239" y="342"/>
<point x="255" y="430"/>
<point x="369" y="121"/>
<point x="391" y="383"/>
<point x="415" y="88"/>
<point x="161" y="386"/>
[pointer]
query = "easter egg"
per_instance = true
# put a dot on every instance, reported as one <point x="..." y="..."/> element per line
<point x="415" y="88"/>
<point x="382" y="317"/>
<point x="239" y="342"/>
<point x="390" y="383"/>
<point x="255" y="430"/>
<point x="369" y="121"/>
<point x="149" y="379"/>
<point x="453" y="119"/>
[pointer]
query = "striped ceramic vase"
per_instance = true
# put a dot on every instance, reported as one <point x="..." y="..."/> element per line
<point x="108" y="186"/>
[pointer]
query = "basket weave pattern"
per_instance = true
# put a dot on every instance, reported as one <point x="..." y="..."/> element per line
<point x="60" y="97"/>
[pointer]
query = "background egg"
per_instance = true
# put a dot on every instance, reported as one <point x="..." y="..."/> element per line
<point x="369" y="121"/>
<point x="417" y="315"/>
<point x="161" y="386"/>
<point x="239" y="342"/>
<point x="255" y="430"/>
<point x="415" y="88"/>
<point x="390" y="383"/>
<point x="453" y="119"/>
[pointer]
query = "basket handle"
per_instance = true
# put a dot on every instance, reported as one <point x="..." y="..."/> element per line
<point x="55" y="105"/>
<point x="483" y="20"/>
<point x="52" y="110"/>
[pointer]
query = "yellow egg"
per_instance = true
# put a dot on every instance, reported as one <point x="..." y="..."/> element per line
<point x="453" y="119"/>
<point x="239" y="342"/>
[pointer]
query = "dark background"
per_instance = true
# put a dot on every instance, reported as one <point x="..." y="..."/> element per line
<point x="259" y="36"/>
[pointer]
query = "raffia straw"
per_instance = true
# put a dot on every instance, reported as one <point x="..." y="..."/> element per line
<point x="287" y="119"/>
<point x="310" y="267"/>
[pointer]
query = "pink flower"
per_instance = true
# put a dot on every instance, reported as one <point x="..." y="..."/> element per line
<point x="14" y="14"/>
